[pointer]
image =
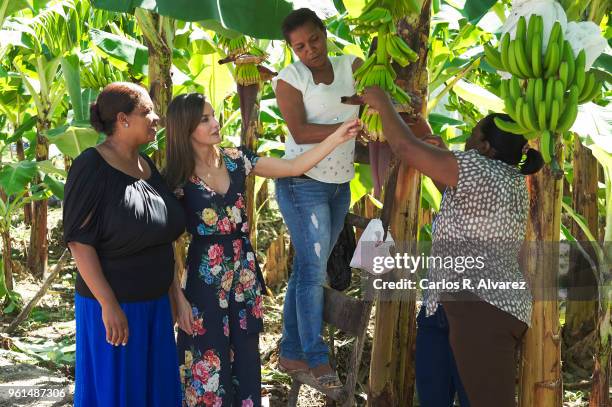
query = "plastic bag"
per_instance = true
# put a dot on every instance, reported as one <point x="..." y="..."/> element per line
<point x="371" y="251"/>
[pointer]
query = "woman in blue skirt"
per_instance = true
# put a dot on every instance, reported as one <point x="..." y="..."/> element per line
<point x="220" y="312"/>
<point x="120" y="220"/>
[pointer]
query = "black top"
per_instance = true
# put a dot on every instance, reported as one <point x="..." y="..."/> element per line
<point x="130" y="222"/>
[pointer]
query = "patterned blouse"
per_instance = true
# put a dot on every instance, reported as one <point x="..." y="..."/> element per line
<point x="484" y="216"/>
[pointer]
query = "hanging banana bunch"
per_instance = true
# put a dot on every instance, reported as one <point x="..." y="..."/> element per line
<point x="379" y="17"/>
<point x="98" y="73"/>
<point x="543" y="94"/>
<point x="246" y="56"/>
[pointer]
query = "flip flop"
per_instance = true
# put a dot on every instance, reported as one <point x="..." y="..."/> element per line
<point x="328" y="381"/>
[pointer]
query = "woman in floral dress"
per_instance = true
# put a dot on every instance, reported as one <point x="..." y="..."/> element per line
<point x="220" y="308"/>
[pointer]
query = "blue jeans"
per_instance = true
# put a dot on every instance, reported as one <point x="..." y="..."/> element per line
<point x="437" y="377"/>
<point x="314" y="212"/>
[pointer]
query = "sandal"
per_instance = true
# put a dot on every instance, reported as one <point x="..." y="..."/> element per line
<point x="328" y="381"/>
<point x="289" y="371"/>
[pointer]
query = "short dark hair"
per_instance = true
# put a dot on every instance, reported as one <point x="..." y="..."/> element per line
<point x="298" y="18"/>
<point x="115" y="98"/>
<point x="509" y="147"/>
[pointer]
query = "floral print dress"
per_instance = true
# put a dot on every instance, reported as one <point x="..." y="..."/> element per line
<point x="219" y="363"/>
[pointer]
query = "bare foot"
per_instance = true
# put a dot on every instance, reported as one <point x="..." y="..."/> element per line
<point x="292" y="365"/>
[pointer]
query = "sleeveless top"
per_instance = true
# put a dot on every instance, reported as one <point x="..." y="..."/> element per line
<point x="322" y="106"/>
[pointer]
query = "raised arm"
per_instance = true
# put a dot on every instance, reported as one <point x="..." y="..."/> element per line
<point x="437" y="163"/>
<point x="272" y="167"/>
<point x="291" y="104"/>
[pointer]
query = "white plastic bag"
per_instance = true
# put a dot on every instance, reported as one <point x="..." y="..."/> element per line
<point x="371" y="251"/>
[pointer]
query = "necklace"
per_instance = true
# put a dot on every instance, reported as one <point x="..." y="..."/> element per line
<point x="216" y="166"/>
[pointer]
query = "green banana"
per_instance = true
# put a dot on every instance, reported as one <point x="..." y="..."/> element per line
<point x="504" y="50"/>
<point x="531" y="30"/>
<point x="515" y="89"/>
<point x="364" y="67"/>
<point x="552" y="60"/>
<point x="547" y="146"/>
<point x="529" y="116"/>
<point x="549" y="94"/>
<point x="554" y="34"/>
<point x="405" y="48"/>
<point x="588" y="86"/>
<point x="521" y="30"/>
<point x="568" y="55"/>
<point x="563" y="74"/>
<point x="538" y="92"/>
<point x="512" y="55"/>
<point x="595" y="91"/>
<point x="521" y="59"/>
<point x="542" y="115"/>
<point x="554" y="115"/>
<point x="519" y="113"/>
<point x="559" y="93"/>
<point x="509" y="127"/>
<point x="580" y="73"/>
<point x="536" y="53"/>
<point x="567" y="118"/>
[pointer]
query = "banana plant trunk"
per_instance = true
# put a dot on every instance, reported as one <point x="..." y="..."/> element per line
<point x="38" y="251"/>
<point x="158" y="32"/>
<point x="250" y="97"/>
<point x="602" y="372"/>
<point x="392" y="360"/>
<point x="27" y="208"/>
<point x="581" y="308"/>
<point x="7" y="263"/>
<point x="540" y="382"/>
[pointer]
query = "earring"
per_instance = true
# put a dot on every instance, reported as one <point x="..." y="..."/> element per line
<point x="126" y="125"/>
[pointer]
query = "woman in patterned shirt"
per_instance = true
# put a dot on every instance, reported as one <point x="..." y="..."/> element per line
<point x="220" y="309"/>
<point x="483" y="214"/>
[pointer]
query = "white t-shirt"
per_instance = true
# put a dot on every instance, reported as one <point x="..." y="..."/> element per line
<point x="322" y="106"/>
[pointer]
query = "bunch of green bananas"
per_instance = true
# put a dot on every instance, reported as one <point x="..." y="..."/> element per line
<point x="544" y="102"/>
<point x="372" y="122"/>
<point x="368" y="22"/>
<point x="247" y="74"/>
<point x="377" y="71"/>
<point x="234" y="46"/>
<point x="397" y="8"/>
<point x="98" y="74"/>
<point x="379" y="16"/>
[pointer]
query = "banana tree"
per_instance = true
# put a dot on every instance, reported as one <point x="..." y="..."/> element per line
<point x="41" y="41"/>
<point x="15" y="194"/>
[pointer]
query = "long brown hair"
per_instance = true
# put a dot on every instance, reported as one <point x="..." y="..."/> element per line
<point x="183" y="116"/>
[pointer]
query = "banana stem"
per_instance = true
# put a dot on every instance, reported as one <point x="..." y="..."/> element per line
<point x="381" y="46"/>
<point x="432" y="103"/>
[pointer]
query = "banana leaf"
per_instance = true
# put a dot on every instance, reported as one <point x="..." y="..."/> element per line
<point x="474" y="10"/>
<point x="255" y="18"/>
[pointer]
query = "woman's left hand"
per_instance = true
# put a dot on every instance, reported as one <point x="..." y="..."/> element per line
<point x="184" y="314"/>
<point x="376" y="98"/>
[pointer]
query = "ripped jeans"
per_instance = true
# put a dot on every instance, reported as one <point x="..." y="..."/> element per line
<point x="314" y="212"/>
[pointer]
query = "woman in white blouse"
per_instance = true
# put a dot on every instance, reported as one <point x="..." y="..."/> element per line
<point x="313" y="205"/>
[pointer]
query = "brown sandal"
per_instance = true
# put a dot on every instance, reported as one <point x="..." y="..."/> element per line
<point x="289" y="371"/>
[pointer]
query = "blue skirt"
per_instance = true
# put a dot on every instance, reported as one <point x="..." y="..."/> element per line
<point x="142" y="373"/>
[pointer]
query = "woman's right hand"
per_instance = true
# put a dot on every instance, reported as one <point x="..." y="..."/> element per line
<point x="116" y="324"/>
<point x="348" y="130"/>
<point x="184" y="314"/>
